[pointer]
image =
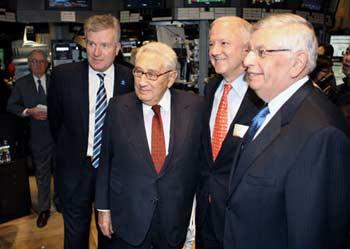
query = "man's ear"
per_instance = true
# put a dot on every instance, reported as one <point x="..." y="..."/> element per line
<point x="118" y="48"/>
<point x="172" y="78"/>
<point x="300" y="63"/>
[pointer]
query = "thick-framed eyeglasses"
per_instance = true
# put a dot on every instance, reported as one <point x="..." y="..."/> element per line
<point x="149" y="75"/>
<point x="263" y="53"/>
<point x="37" y="62"/>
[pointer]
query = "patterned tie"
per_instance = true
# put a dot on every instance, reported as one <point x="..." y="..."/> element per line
<point x="257" y="121"/>
<point x="158" y="141"/>
<point x="41" y="93"/>
<point x="221" y="123"/>
<point x="100" y="113"/>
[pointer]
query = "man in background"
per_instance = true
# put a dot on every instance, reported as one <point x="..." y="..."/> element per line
<point x="289" y="185"/>
<point x="28" y="100"/>
<point x="230" y="106"/>
<point x="77" y="103"/>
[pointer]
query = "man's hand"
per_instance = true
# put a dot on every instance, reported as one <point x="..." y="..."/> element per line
<point x="37" y="113"/>
<point x="105" y="223"/>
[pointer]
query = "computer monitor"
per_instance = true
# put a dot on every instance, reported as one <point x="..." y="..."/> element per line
<point x="339" y="43"/>
<point x="208" y="3"/>
<point x="142" y="4"/>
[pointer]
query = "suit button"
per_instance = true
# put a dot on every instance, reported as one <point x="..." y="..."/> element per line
<point x="154" y="201"/>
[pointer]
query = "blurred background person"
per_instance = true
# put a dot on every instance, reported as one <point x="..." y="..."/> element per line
<point x="28" y="100"/>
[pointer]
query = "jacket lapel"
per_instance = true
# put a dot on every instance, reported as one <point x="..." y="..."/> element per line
<point x="179" y="123"/>
<point x="244" y="159"/>
<point x="210" y="95"/>
<point x="137" y="133"/>
<point x="83" y="80"/>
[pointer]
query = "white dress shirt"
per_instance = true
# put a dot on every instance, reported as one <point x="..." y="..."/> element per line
<point x="234" y="99"/>
<point x="42" y="81"/>
<point x="165" y="112"/>
<point x="94" y="83"/>
<point x="277" y="102"/>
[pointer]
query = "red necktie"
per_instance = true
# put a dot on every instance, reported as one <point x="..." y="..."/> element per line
<point x="221" y="120"/>
<point x="158" y="141"/>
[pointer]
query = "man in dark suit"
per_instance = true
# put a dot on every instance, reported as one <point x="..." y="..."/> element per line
<point x="149" y="169"/>
<point x="76" y="106"/>
<point x="290" y="185"/>
<point x="28" y="100"/>
<point x="227" y="37"/>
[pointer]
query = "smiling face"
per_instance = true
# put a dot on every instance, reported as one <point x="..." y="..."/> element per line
<point x="101" y="48"/>
<point x="271" y="74"/>
<point x="148" y="91"/>
<point x="226" y="46"/>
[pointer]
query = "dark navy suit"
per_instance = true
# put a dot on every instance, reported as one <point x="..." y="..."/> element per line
<point x="210" y="217"/>
<point x="127" y="183"/>
<point x="290" y="186"/>
<point x="68" y="109"/>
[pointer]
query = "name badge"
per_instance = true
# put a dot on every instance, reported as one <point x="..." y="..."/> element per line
<point x="239" y="130"/>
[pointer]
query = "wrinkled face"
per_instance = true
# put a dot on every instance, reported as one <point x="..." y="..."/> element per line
<point x="226" y="50"/>
<point x="346" y="63"/>
<point x="101" y="48"/>
<point x="268" y="72"/>
<point x="151" y="91"/>
<point x="38" y="64"/>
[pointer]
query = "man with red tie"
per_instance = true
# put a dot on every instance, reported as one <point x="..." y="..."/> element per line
<point x="148" y="170"/>
<point x="230" y="107"/>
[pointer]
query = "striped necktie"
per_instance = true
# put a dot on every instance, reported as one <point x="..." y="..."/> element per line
<point x="100" y="113"/>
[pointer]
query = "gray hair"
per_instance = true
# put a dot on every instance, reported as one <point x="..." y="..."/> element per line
<point x="37" y="51"/>
<point x="101" y="22"/>
<point x="237" y="23"/>
<point x="295" y="31"/>
<point x="165" y="53"/>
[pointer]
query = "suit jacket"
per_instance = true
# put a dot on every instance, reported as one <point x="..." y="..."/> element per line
<point x="290" y="186"/>
<point x="25" y="95"/>
<point x="68" y="110"/>
<point x="215" y="175"/>
<point x="127" y="182"/>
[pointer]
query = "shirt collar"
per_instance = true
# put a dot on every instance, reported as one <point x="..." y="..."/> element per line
<point x="164" y="103"/>
<point x="42" y="78"/>
<point x="276" y="103"/>
<point x="107" y="72"/>
<point x="239" y="85"/>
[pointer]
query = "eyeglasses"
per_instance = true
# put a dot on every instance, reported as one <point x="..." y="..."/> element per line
<point x="149" y="75"/>
<point x="37" y="62"/>
<point x="262" y="53"/>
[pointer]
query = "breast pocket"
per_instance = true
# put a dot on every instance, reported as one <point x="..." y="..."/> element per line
<point x="260" y="181"/>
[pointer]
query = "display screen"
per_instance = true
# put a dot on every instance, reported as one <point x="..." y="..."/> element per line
<point x="339" y="43"/>
<point x="195" y="3"/>
<point x="140" y="4"/>
<point x="68" y="4"/>
<point x="312" y="5"/>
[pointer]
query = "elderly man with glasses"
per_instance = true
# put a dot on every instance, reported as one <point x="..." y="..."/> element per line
<point x="28" y="100"/>
<point x="148" y="171"/>
<point x="289" y="187"/>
